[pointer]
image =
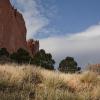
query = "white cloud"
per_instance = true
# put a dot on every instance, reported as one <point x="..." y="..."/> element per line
<point x="84" y="46"/>
<point x="34" y="20"/>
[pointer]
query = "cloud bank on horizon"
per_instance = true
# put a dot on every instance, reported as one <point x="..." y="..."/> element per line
<point x="84" y="46"/>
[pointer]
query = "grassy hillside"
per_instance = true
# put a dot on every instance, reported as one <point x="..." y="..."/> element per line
<point x="31" y="83"/>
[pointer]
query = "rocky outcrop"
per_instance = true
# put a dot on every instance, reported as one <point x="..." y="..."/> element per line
<point x="13" y="30"/>
<point x="94" y="67"/>
<point x="33" y="46"/>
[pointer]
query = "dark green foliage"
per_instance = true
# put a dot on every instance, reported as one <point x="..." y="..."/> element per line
<point x="44" y="60"/>
<point x="21" y="56"/>
<point x="3" y="52"/>
<point x="68" y="65"/>
<point x="79" y="69"/>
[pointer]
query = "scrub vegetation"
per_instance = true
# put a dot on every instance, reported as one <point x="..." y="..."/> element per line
<point x="28" y="82"/>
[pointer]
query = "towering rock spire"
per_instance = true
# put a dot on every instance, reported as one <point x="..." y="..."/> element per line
<point x="12" y="28"/>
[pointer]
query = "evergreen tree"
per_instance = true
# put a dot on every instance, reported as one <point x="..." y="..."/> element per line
<point x="21" y="56"/>
<point x="4" y="52"/>
<point x="68" y="65"/>
<point x="44" y="60"/>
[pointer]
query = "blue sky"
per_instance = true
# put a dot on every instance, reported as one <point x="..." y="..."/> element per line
<point x="64" y="27"/>
<point x="73" y="15"/>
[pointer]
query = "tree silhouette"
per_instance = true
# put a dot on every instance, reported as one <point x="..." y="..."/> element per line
<point x="44" y="60"/>
<point x="21" y="56"/>
<point x="4" y="52"/>
<point x="68" y="65"/>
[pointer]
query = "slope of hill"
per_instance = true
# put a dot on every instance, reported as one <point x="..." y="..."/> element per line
<point x="33" y="83"/>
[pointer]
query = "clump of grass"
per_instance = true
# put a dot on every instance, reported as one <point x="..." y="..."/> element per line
<point x="32" y="75"/>
<point x="10" y="77"/>
<point x="15" y="77"/>
<point x="88" y="77"/>
<point x="17" y="95"/>
<point x="55" y="94"/>
<point x="55" y="82"/>
<point x="96" y="93"/>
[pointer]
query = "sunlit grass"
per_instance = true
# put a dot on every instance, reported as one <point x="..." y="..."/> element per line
<point x="34" y="83"/>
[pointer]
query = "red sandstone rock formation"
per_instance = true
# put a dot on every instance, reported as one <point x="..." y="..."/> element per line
<point x="94" y="68"/>
<point x="13" y="30"/>
<point x="33" y="46"/>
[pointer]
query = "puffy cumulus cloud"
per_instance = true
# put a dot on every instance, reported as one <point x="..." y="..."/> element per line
<point x="34" y="20"/>
<point x="84" y="46"/>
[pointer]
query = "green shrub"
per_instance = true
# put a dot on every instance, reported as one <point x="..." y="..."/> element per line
<point x="4" y="52"/>
<point x="69" y="65"/>
<point x="21" y="57"/>
<point x="44" y="60"/>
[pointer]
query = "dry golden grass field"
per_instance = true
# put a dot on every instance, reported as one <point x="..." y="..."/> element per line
<point x="33" y="83"/>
